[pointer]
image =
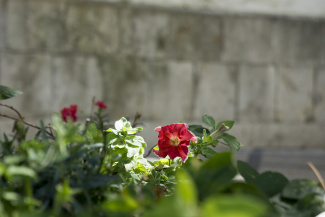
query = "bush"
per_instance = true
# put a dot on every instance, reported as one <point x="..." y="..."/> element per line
<point x="73" y="169"/>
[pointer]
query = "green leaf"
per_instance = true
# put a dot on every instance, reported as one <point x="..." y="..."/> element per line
<point x="161" y="162"/>
<point x="124" y="125"/>
<point x="13" y="159"/>
<point x="271" y="183"/>
<point x="234" y="206"/>
<point x="181" y="204"/>
<point x="231" y="141"/>
<point x="136" y="141"/>
<point x="229" y="124"/>
<point x="299" y="188"/>
<point x="91" y="131"/>
<point x="312" y="204"/>
<point x="197" y="130"/>
<point x="185" y="192"/>
<point x="245" y="188"/>
<point x="215" y="174"/>
<point x="140" y="169"/>
<point x="6" y="92"/>
<point x="93" y="134"/>
<point x="124" y="202"/>
<point x="21" y="171"/>
<point x="11" y="196"/>
<point x="133" y="151"/>
<point x="209" y="121"/>
<point x="208" y="152"/>
<point x="207" y="138"/>
<point x="246" y="171"/>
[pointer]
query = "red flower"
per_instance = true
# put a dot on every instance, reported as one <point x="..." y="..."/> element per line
<point x="69" y="113"/>
<point x="173" y="141"/>
<point x="101" y="104"/>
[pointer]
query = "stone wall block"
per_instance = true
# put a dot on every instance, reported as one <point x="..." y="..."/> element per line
<point x="46" y="25"/>
<point x="2" y="25"/>
<point x="216" y="91"/>
<point x="298" y="41"/>
<point x="125" y="86"/>
<point x="16" y="20"/>
<point x="278" y="135"/>
<point x="92" y="28"/>
<point x="294" y="86"/>
<point x="75" y="80"/>
<point x="195" y="37"/>
<point x="126" y="31"/>
<point x="32" y="75"/>
<point x="247" y="39"/>
<point x="151" y="33"/>
<point x="170" y="91"/>
<point x="256" y="93"/>
<point x="320" y="96"/>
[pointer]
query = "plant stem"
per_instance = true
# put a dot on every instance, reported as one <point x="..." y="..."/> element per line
<point x="317" y="174"/>
<point x="22" y="119"/>
<point x="150" y="150"/>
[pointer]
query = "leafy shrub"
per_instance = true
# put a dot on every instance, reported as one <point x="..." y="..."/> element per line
<point x="73" y="169"/>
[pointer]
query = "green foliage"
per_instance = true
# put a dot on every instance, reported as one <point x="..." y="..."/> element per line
<point x="7" y="92"/>
<point x="211" y="136"/>
<point x="300" y="197"/>
<point x="86" y="170"/>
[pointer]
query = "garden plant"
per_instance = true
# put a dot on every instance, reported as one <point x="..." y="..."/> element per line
<point x="96" y="168"/>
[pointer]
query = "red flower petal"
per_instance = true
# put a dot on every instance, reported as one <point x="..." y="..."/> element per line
<point x="101" y="104"/>
<point x="161" y="152"/>
<point x="69" y="112"/>
<point x="183" y="152"/>
<point x="173" y="140"/>
<point x="157" y="129"/>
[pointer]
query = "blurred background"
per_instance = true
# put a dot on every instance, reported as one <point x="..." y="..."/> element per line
<point x="260" y="63"/>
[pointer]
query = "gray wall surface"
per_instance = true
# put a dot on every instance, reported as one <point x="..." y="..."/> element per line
<point x="265" y="72"/>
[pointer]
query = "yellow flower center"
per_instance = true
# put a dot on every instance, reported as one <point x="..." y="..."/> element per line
<point x="175" y="141"/>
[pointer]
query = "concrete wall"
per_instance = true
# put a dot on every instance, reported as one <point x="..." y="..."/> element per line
<point x="266" y="72"/>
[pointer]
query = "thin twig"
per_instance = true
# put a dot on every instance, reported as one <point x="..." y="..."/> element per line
<point x="29" y="124"/>
<point x="223" y="143"/>
<point x="12" y="108"/>
<point x="22" y="119"/>
<point x="317" y="174"/>
<point x="150" y="150"/>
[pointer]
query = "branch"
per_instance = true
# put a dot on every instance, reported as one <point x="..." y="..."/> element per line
<point x="150" y="150"/>
<point x="223" y="143"/>
<point x="22" y="119"/>
<point x="12" y="108"/>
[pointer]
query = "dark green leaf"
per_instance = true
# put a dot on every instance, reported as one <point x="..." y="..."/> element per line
<point x="208" y="152"/>
<point x="231" y="141"/>
<point x="312" y="204"/>
<point x="197" y="130"/>
<point x="215" y="174"/>
<point x="95" y="181"/>
<point x="299" y="188"/>
<point x="6" y="92"/>
<point x="271" y="183"/>
<point x="244" y="188"/>
<point x="209" y="121"/>
<point x="246" y="171"/>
